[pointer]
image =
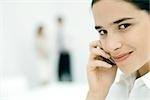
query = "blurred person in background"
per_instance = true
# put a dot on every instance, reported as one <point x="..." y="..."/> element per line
<point x="64" y="57"/>
<point x="124" y="30"/>
<point x="43" y="55"/>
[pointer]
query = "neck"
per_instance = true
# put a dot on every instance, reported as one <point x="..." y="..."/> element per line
<point x="143" y="70"/>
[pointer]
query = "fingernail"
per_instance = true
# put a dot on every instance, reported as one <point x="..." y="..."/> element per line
<point x="109" y="66"/>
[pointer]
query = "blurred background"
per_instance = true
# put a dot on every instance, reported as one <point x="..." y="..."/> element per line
<point x="44" y="49"/>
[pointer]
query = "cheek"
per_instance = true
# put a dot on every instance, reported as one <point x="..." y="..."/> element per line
<point x="139" y="42"/>
<point x="144" y="43"/>
<point x="139" y="37"/>
<point x="144" y="38"/>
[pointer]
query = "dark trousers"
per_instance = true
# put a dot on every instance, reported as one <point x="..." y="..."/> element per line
<point x="64" y="67"/>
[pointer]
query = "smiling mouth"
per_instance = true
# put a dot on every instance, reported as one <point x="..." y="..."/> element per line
<point x="122" y="57"/>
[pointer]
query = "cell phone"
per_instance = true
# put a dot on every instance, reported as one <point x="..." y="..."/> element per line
<point x="109" y="61"/>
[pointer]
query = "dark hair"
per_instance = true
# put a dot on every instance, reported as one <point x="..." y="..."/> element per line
<point x="140" y="4"/>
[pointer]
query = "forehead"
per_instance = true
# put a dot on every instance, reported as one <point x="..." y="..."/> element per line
<point x="106" y="11"/>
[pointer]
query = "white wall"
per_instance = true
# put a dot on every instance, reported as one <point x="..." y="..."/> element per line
<point x="1" y="31"/>
<point x="20" y="19"/>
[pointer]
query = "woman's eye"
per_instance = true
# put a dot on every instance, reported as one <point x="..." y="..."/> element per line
<point x="102" y="32"/>
<point x="124" y="26"/>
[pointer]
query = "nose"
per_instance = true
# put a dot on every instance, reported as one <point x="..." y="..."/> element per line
<point x="114" y="43"/>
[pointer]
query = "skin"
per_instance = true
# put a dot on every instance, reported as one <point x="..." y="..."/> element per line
<point x="132" y="34"/>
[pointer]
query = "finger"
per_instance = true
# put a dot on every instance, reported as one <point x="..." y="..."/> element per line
<point x="98" y="64"/>
<point x="95" y="44"/>
<point x="98" y="52"/>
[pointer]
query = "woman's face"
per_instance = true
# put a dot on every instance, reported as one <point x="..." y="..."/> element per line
<point x="124" y="33"/>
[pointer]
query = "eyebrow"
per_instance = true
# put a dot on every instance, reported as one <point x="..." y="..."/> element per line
<point x="115" y="22"/>
<point x="121" y="20"/>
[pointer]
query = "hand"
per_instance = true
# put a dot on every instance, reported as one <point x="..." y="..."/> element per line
<point x="100" y="74"/>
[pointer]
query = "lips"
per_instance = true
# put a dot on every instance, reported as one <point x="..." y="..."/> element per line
<point x="122" y="57"/>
